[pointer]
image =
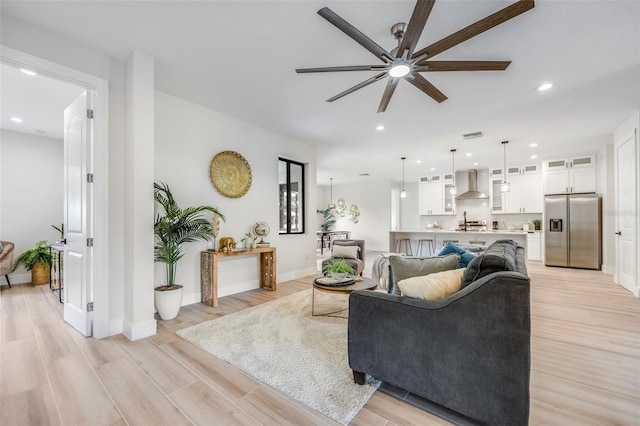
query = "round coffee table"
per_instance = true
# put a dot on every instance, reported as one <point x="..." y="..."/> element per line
<point x="365" y="284"/>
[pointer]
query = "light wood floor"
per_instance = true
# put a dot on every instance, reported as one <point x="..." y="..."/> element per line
<point x="585" y="365"/>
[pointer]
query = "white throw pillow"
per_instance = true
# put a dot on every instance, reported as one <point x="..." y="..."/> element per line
<point x="434" y="286"/>
<point x="347" y="252"/>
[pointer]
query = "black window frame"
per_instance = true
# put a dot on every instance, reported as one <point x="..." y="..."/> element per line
<point x="302" y="192"/>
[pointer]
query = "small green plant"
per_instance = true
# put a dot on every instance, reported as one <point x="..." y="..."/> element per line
<point x="249" y="237"/>
<point x="328" y="220"/>
<point x="60" y="229"/>
<point x="41" y="254"/>
<point x="537" y="223"/>
<point x="339" y="267"/>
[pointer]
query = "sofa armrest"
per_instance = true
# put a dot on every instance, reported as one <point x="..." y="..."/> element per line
<point x="469" y="352"/>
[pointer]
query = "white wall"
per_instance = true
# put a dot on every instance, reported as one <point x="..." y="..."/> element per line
<point x="31" y="196"/>
<point x="374" y="202"/>
<point x="187" y="137"/>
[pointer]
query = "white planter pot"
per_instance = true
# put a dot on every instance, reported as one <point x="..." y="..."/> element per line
<point x="168" y="302"/>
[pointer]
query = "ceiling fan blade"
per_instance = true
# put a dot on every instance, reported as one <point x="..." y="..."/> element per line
<point x="416" y="24"/>
<point x="355" y="34"/>
<point x="388" y="92"/>
<point x="462" y="66"/>
<point x="345" y="68"/>
<point x="358" y="86"/>
<point x="474" y="29"/>
<point x="423" y="84"/>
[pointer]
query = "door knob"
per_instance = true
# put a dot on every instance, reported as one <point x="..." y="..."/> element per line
<point x="63" y="241"/>
<point x="618" y="233"/>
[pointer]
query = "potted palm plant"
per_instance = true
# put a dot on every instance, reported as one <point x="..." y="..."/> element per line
<point x="38" y="261"/>
<point x="172" y="229"/>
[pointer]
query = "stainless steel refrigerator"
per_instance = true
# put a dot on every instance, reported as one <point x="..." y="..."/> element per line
<point x="572" y="230"/>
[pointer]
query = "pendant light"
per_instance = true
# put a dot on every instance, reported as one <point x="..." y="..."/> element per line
<point x="506" y="186"/>
<point x="331" y="205"/>
<point x="453" y="190"/>
<point x="403" y="193"/>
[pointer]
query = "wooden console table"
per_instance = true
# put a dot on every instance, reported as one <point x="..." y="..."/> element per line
<point x="209" y="271"/>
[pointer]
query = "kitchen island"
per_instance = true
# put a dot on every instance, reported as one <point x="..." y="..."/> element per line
<point x="440" y="236"/>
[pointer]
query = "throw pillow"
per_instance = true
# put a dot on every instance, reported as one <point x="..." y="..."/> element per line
<point x="499" y="256"/>
<point x="1" y="248"/>
<point x="465" y="256"/>
<point x="347" y="252"/>
<point x="403" y="267"/>
<point x="433" y="286"/>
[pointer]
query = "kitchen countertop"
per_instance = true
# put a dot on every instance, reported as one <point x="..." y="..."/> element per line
<point x="455" y="231"/>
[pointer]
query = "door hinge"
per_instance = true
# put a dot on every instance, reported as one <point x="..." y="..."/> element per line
<point x="90" y="177"/>
<point x="89" y="242"/>
<point x="89" y="113"/>
<point x="90" y="307"/>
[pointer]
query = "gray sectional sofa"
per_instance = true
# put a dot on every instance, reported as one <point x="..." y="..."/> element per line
<point x="469" y="352"/>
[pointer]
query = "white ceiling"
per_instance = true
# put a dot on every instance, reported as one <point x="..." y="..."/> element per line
<point x="238" y="57"/>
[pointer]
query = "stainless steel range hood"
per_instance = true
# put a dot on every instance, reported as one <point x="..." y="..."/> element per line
<point x="472" y="193"/>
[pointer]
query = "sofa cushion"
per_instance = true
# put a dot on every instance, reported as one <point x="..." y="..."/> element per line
<point x="465" y="255"/>
<point x="499" y="256"/>
<point x="403" y="267"/>
<point x="436" y="286"/>
<point x="347" y="252"/>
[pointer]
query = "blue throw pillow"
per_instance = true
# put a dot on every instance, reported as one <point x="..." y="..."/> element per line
<point x="1" y="248"/>
<point x="465" y="256"/>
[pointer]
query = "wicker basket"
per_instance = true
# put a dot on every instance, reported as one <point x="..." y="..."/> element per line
<point x="40" y="274"/>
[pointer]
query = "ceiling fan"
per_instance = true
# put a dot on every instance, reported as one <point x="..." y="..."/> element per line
<point x="403" y="63"/>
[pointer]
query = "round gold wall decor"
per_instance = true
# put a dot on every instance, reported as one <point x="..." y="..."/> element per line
<point x="230" y="173"/>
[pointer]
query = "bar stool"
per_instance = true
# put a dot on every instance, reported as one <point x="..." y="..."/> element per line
<point x="426" y="243"/>
<point x="445" y="242"/>
<point x="407" y="246"/>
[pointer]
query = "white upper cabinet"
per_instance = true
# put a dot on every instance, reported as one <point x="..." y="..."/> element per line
<point x="574" y="174"/>
<point x="525" y="195"/>
<point x="434" y="197"/>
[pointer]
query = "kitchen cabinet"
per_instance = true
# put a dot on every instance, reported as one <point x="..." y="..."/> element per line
<point x="534" y="246"/>
<point x="525" y="195"/>
<point x="434" y="196"/>
<point x="574" y="174"/>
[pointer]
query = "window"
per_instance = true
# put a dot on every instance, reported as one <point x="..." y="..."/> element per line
<point x="291" y="179"/>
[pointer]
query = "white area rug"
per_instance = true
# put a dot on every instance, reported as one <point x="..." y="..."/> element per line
<point x="282" y="345"/>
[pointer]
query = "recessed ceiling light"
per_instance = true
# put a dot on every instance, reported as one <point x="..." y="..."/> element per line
<point x="380" y="127"/>
<point x="533" y="145"/>
<point x="16" y="119"/>
<point x="533" y="157"/>
<point x="476" y="163"/>
<point x="433" y="169"/>
<point x="28" y="72"/>
<point x="545" y="86"/>
<point x="468" y="154"/>
<point x="418" y="161"/>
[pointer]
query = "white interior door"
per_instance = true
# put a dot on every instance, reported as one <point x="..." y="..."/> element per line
<point x="626" y="169"/>
<point x="77" y="214"/>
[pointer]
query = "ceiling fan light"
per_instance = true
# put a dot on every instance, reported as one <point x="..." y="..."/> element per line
<point x="399" y="70"/>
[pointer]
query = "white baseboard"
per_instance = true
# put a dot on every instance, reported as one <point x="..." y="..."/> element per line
<point x="139" y="330"/>
<point x="16" y="279"/>
<point x="115" y="327"/>
<point x="609" y="270"/>
<point x="190" y="299"/>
